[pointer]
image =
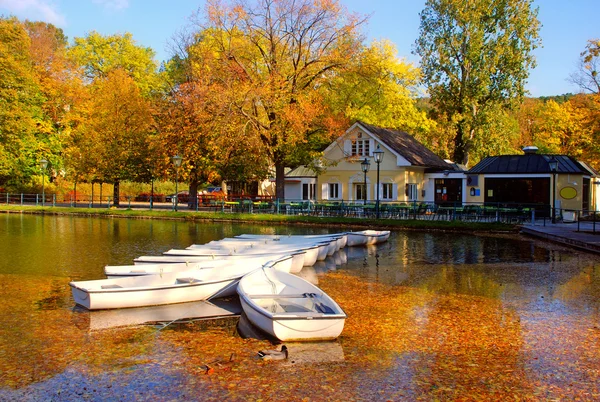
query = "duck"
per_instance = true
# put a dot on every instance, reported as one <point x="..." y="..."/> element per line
<point x="274" y="354"/>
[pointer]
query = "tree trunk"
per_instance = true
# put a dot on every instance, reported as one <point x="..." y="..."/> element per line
<point x="460" y="154"/>
<point x="193" y="190"/>
<point x="116" y="193"/>
<point x="280" y="181"/>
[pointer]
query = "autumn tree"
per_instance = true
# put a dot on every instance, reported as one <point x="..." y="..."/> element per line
<point x="475" y="58"/>
<point x="587" y="75"/>
<point x="122" y="78"/>
<point x="60" y="85"/>
<point x="273" y="55"/>
<point x="380" y="89"/>
<point x="113" y="145"/>
<point x="20" y="106"/>
<point x="98" y="55"/>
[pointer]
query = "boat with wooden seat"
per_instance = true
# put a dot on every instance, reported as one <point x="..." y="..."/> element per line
<point x="119" y="271"/>
<point x="289" y="307"/>
<point x="174" y="287"/>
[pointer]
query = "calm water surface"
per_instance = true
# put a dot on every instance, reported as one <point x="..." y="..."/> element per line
<point x="438" y="309"/>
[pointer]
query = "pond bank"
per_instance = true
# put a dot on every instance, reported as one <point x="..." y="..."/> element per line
<point x="295" y="220"/>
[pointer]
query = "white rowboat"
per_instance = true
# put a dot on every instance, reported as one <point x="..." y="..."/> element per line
<point x="367" y="237"/>
<point x="119" y="271"/>
<point x="289" y="307"/>
<point x="311" y="255"/>
<point x="176" y="287"/>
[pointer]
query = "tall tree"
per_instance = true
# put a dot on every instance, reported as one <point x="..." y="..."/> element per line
<point x="20" y="106"/>
<point x="587" y="76"/>
<point x="60" y="85"/>
<point x="114" y="143"/>
<point x="276" y="54"/>
<point x="475" y="57"/>
<point x="98" y="55"/>
<point x="380" y="89"/>
<point x="118" y="120"/>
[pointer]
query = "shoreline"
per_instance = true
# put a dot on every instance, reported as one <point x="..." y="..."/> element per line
<point x="269" y="219"/>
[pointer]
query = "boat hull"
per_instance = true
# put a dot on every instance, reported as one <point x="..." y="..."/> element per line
<point x="289" y="307"/>
<point x="168" y="294"/>
<point x="367" y="237"/>
<point x="175" y="287"/>
<point x="294" y="329"/>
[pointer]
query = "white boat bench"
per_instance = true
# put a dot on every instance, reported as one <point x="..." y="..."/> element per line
<point x="111" y="287"/>
<point x="187" y="280"/>
<point x="289" y="296"/>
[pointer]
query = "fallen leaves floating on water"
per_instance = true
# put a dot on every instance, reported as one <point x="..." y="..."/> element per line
<point x="399" y="342"/>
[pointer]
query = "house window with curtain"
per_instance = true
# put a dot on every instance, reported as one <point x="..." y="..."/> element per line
<point x="412" y="192"/>
<point x="308" y="191"/>
<point x="334" y="191"/>
<point x="386" y="191"/>
<point x="360" y="147"/>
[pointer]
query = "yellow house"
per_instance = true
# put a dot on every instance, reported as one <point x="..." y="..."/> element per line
<point x="404" y="172"/>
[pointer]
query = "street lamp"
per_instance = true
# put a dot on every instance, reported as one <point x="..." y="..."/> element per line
<point x="365" y="165"/>
<point x="553" y="164"/>
<point x="43" y="166"/>
<point x="378" y="154"/>
<point x="177" y="163"/>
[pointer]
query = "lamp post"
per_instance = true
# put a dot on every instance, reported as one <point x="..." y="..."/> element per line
<point x="43" y="166"/>
<point x="378" y="154"/>
<point x="177" y="163"/>
<point x="553" y="164"/>
<point x="365" y="165"/>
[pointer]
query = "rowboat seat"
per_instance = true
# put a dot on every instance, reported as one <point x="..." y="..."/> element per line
<point x="188" y="280"/>
<point x="111" y="287"/>
<point x="323" y="308"/>
<point x="284" y="296"/>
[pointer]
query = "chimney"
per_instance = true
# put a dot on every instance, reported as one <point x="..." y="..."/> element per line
<point x="530" y="149"/>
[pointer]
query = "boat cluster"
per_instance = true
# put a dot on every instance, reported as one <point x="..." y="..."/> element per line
<point x="259" y="268"/>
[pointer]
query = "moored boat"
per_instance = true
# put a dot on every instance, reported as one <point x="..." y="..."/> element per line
<point x="340" y="237"/>
<point x="175" y="287"/>
<point x="288" y="307"/>
<point x="367" y="237"/>
<point x="118" y="271"/>
<point x="310" y="255"/>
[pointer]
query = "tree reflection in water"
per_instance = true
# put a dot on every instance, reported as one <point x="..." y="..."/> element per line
<point x="430" y="316"/>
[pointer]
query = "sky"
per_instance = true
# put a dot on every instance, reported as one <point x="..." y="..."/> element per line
<point x="567" y="25"/>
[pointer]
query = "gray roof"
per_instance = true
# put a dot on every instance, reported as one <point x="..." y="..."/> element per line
<point x="301" y="171"/>
<point x="407" y="146"/>
<point x="528" y="163"/>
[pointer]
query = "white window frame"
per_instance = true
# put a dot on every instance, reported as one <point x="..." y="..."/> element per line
<point x="412" y="190"/>
<point x="361" y="147"/>
<point x="333" y="190"/>
<point x="390" y="193"/>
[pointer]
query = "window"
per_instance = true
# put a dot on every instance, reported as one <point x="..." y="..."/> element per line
<point x="361" y="192"/>
<point x="334" y="191"/>
<point x="386" y="191"/>
<point x="411" y="192"/>
<point x="308" y="191"/>
<point x="360" y="147"/>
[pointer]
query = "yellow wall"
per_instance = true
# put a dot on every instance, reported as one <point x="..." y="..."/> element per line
<point x="347" y="171"/>
<point x="575" y="182"/>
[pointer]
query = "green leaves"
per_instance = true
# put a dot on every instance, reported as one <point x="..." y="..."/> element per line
<point x="476" y="57"/>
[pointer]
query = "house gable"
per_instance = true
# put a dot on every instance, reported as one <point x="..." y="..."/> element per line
<point x="341" y="148"/>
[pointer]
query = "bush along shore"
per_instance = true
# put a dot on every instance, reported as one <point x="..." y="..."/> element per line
<point x="270" y="219"/>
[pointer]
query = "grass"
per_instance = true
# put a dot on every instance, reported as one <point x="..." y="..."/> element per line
<point x="271" y="219"/>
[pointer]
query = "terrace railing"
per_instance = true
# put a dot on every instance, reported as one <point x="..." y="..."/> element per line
<point x="416" y="210"/>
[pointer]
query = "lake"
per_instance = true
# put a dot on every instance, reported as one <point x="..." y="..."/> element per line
<point x="431" y="315"/>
